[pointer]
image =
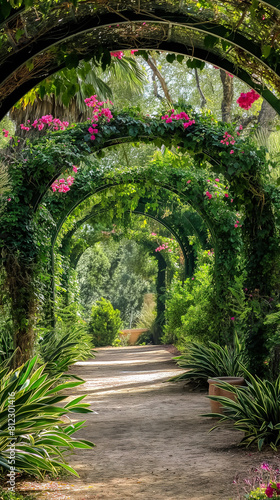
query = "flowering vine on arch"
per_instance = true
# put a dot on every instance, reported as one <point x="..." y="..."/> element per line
<point x="39" y="166"/>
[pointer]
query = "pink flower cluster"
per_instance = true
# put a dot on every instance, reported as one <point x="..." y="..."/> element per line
<point x="153" y="234"/>
<point x="48" y="120"/>
<point x="5" y="132"/>
<point x="92" y="102"/>
<point x="209" y="195"/>
<point x="271" y="489"/>
<point x="119" y="54"/>
<point x="228" y="139"/>
<point x="164" y="246"/>
<point x="62" y="185"/>
<point x="245" y="100"/>
<point x="180" y="116"/>
<point x="237" y="223"/>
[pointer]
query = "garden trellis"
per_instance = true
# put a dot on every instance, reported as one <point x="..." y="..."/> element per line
<point x="39" y="38"/>
<point x="38" y="166"/>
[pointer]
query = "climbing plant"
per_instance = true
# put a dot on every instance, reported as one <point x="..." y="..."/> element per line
<point x="213" y="146"/>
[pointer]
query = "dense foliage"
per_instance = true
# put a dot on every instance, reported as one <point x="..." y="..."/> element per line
<point x="104" y="323"/>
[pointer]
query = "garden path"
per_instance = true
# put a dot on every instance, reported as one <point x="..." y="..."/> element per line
<point x="151" y="442"/>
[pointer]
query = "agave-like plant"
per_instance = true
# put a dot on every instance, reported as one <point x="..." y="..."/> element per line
<point x="39" y="435"/>
<point x="212" y="360"/>
<point x="58" y="353"/>
<point x="255" y="411"/>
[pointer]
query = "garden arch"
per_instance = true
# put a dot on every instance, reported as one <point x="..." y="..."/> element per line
<point x="171" y="222"/>
<point x="241" y="39"/>
<point x="42" y="161"/>
<point x="77" y="252"/>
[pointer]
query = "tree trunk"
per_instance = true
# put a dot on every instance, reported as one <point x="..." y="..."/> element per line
<point x="226" y="105"/>
<point x="157" y="74"/>
<point x="161" y="288"/>
<point x="203" y="98"/>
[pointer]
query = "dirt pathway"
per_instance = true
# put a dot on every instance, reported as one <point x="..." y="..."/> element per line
<point x="151" y="442"/>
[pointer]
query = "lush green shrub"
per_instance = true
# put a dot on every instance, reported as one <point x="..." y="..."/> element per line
<point x="39" y="433"/>
<point x="104" y="323"/>
<point x="256" y="411"/>
<point x="212" y="360"/>
<point x="191" y="313"/>
<point x="178" y="301"/>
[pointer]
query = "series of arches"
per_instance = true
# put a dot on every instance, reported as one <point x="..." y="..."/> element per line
<point x="242" y="40"/>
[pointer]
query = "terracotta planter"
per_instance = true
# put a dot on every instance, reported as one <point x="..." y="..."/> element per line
<point x="134" y="334"/>
<point x="216" y="407"/>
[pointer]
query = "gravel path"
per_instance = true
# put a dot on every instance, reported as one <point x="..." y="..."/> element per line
<point x="151" y="442"/>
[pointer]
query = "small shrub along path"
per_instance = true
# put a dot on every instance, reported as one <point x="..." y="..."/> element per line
<point x="151" y="442"/>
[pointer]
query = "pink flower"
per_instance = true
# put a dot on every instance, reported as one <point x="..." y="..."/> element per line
<point x="231" y="152"/>
<point x="217" y="180"/>
<point x="188" y="181"/>
<point x="62" y="181"/>
<point x="75" y="169"/>
<point x="9" y="199"/>
<point x="240" y="127"/>
<point x="92" y="137"/>
<point x="153" y="234"/>
<point x="235" y="225"/>
<point x="192" y="278"/>
<point x="264" y="465"/>
<point x="233" y="318"/>
<point x="133" y="51"/>
<point x="231" y="201"/>
<point x="70" y="180"/>
<point x="189" y="123"/>
<point x="209" y="195"/>
<point x="118" y="54"/>
<point x="169" y="120"/>
<point x="226" y="195"/>
<point x="245" y="100"/>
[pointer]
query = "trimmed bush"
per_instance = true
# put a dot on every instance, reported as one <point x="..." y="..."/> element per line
<point x="104" y="323"/>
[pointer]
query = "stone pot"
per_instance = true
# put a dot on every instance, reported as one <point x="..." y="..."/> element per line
<point x="216" y="407"/>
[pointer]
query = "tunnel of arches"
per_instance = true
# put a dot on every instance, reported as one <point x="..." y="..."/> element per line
<point x="32" y="201"/>
<point x="171" y="222"/>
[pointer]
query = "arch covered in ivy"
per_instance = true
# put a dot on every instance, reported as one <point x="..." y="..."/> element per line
<point x="42" y="161"/>
<point x="239" y="37"/>
<point x="173" y="222"/>
<point x="73" y="252"/>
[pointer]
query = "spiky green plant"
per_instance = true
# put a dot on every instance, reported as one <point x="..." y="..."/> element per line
<point x="212" y="360"/>
<point x="39" y="434"/>
<point x="59" y="352"/>
<point x="256" y="410"/>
